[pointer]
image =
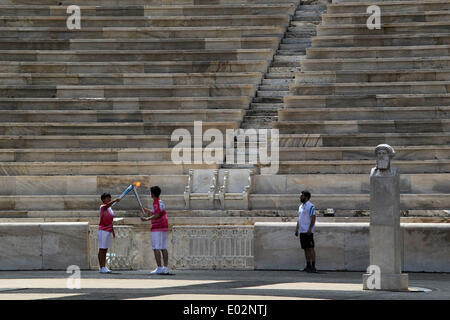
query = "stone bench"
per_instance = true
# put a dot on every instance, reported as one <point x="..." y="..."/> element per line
<point x="357" y="166"/>
<point x="125" y="103"/>
<point x="153" y="79"/>
<point x="382" y="100"/>
<point x="363" y="126"/>
<point x="372" y="76"/>
<point x="140" y="44"/>
<point x="88" y="184"/>
<point x="405" y="6"/>
<point x="415" y="183"/>
<point x="144" y="32"/>
<point x="43" y="246"/>
<point x="363" y="139"/>
<point x="148" y="21"/>
<point x="107" y="128"/>
<point x="376" y="63"/>
<point x="345" y="247"/>
<point x="355" y="113"/>
<point x="87" y="141"/>
<point x="349" y="153"/>
<point x="122" y="116"/>
<point x="388" y="17"/>
<point x="421" y="39"/>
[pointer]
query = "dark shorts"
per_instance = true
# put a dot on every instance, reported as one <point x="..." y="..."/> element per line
<point x="307" y="241"/>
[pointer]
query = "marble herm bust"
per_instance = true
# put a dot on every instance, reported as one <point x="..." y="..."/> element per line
<point x="384" y="154"/>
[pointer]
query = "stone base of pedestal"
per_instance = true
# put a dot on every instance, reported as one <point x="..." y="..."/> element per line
<point x="389" y="282"/>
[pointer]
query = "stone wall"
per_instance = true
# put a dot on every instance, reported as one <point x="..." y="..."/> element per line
<point x="43" y="246"/>
<point x="342" y="247"/>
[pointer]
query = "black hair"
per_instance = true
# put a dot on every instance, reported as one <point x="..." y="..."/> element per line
<point x="105" y="195"/>
<point x="156" y="191"/>
<point x="307" y="194"/>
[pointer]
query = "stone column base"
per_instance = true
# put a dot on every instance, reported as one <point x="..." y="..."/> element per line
<point x="389" y="282"/>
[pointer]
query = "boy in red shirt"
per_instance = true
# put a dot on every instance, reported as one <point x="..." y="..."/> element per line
<point x="105" y="230"/>
<point x="159" y="229"/>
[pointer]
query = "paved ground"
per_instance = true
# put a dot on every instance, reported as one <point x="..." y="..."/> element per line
<point x="211" y="285"/>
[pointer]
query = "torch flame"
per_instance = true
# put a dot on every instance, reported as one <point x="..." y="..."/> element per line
<point x="137" y="184"/>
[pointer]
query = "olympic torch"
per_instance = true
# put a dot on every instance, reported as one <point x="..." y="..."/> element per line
<point x="135" y="186"/>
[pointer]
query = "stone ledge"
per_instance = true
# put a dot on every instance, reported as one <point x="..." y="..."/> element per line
<point x="346" y="247"/>
<point x="49" y="246"/>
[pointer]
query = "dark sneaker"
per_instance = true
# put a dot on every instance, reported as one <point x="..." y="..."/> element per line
<point x="307" y="269"/>
<point x="312" y="270"/>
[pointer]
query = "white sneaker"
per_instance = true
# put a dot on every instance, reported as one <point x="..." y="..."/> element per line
<point x="157" y="271"/>
<point x="165" y="270"/>
<point x="105" y="270"/>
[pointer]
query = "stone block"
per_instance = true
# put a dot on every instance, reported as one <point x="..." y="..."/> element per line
<point x="64" y="244"/>
<point x="20" y="246"/>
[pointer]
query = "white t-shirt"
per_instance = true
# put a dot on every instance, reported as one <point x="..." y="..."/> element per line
<point x="305" y="213"/>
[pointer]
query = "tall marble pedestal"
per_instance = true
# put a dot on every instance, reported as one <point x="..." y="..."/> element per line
<point x="386" y="238"/>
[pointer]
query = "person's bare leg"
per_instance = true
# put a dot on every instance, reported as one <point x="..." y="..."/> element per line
<point x="165" y="255"/>
<point x="157" y="257"/>
<point x="312" y="254"/>
<point x="102" y="257"/>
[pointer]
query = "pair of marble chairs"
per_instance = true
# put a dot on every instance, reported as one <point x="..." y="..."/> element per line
<point x="218" y="189"/>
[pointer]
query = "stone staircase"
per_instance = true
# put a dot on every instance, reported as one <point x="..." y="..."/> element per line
<point x="275" y="85"/>
<point x="359" y="88"/>
<point x="92" y="110"/>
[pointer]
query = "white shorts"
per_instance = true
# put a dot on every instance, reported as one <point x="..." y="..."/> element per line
<point x="104" y="239"/>
<point x="159" y="240"/>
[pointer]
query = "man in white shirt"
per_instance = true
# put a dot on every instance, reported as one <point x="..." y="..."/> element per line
<point x="305" y="224"/>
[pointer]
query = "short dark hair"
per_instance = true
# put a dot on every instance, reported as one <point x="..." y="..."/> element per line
<point x="307" y="194"/>
<point x="156" y="191"/>
<point x="105" y="195"/>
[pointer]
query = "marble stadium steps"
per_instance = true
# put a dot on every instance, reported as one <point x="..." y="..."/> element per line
<point x="218" y="66"/>
<point x="126" y="103"/>
<point x="139" y="44"/>
<point x="100" y="21"/>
